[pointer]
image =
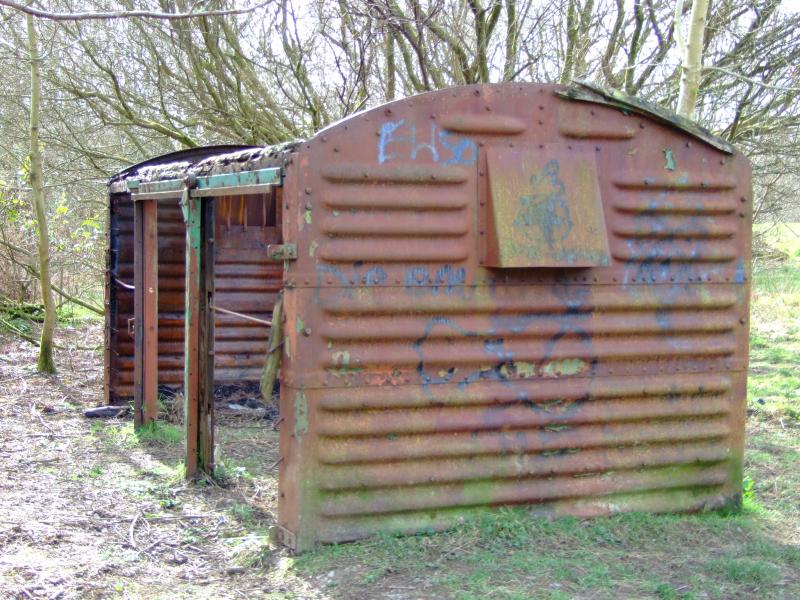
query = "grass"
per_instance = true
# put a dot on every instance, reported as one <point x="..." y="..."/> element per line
<point x="510" y="554"/>
<point x="158" y="432"/>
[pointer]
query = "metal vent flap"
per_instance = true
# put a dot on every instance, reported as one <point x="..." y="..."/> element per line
<point x="542" y="208"/>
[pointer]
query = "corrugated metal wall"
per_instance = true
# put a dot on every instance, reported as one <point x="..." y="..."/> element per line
<point x="419" y="385"/>
<point x="245" y="281"/>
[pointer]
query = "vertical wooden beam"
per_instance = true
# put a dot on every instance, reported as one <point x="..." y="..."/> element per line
<point x="192" y="331"/>
<point x="205" y="440"/>
<point x="145" y="261"/>
<point x="199" y="336"/>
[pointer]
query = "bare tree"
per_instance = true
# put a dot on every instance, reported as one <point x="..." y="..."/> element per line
<point x="691" y="50"/>
<point x="45" y="362"/>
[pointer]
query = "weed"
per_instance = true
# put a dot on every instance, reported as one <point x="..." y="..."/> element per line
<point x="243" y="513"/>
<point x="665" y="591"/>
<point x="228" y="471"/>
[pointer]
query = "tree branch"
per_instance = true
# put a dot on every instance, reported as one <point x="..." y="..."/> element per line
<point x="126" y="14"/>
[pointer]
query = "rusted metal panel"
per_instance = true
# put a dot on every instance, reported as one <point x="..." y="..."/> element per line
<point x="419" y="385"/>
<point x="541" y="208"/>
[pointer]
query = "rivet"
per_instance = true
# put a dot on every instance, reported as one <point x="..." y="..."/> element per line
<point x="641" y="125"/>
<point x="388" y="112"/>
<point x="477" y="92"/>
<point x="742" y="321"/>
<point x="488" y="108"/>
<point x="324" y="138"/>
<point x="307" y="331"/>
<point x="541" y="122"/>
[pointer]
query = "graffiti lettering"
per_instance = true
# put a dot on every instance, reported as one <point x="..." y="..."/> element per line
<point x="443" y="147"/>
<point x="446" y="279"/>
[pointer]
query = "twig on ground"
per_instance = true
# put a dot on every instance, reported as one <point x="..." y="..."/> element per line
<point x="152" y="545"/>
<point x="177" y="517"/>
<point x="41" y="420"/>
<point x="132" y="530"/>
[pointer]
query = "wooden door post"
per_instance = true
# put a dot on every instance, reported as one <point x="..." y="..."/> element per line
<point x="145" y="260"/>
<point x="199" y="336"/>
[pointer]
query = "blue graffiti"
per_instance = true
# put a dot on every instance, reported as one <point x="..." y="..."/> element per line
<point x="464" y="150"/>
<point x="374" y="276"/>
<point x="546" y="207"/>
<point x="572" y="326"/>
<point x="446" y="279"/>
<point x="387" y="132"/>
<point x="741" y="273"/>
<point x="457" y="150"/>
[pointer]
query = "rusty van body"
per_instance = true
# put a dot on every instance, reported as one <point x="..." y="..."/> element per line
<point x="497" y="294"/>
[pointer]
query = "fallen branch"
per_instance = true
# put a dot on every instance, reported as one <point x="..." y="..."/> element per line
<point x="28" y="338"/>
<point x="16" y="330"/>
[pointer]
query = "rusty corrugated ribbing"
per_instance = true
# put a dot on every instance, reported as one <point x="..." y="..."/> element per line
<point x="503" y="296"/>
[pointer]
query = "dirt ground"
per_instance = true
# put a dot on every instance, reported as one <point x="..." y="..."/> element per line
<point x="87" y="510"/>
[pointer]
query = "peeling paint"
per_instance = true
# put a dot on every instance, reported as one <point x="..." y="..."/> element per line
<point x="300" y="413"/>
<point x="567" y="366"/>
<point x="669" y="158"/>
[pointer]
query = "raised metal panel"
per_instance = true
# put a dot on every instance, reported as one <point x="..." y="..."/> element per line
<point x="542" y="209"/>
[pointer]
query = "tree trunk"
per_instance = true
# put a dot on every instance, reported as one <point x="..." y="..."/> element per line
<point x="45" y="363"/>
<point x="692" y="59"/>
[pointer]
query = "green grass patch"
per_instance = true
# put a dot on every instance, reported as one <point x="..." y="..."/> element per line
<point x="745" y="570"/>
<point x="511" y="554"/>
<point x="157" y="432"/>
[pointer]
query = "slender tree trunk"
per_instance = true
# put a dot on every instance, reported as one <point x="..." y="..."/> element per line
<point x="391" y="76"/>
<point x="692" y="59"/>
<point x="45" y="363"/>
